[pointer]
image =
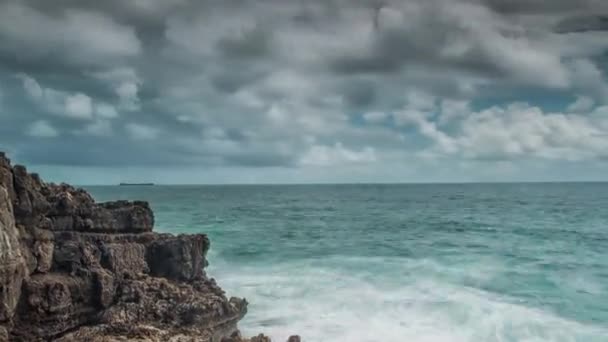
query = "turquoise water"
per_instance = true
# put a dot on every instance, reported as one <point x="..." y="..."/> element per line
<point x="359" y="263"/>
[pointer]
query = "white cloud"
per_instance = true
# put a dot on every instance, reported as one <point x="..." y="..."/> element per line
<point x="375" y="117"/>
<point x="142" y="132"/>
<point x="321" y="155"/>
<point x="154" y="7"/>
<point x="600" y="113"/>
<point x="61" y="103"/>
<point x="117" y="75"/>
<point x="42" y="129"/>
<point x="106" y="111"/>
<point x="48" y="99"/>
<point x="125" y="83"/>
<point x="78" y="106"/>
<point x="127" y="93"/>
<point x="453" y="109"/>
<point x="420" y="100"/>
<point x="31" y="86"/>
<point x="426" y="127"/>
<point x="582" y="104"/>
<point x="101" y="128"/>
<point x="519" y="131"/>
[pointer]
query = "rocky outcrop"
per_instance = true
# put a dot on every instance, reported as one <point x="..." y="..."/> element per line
<point x="72" y="269"/>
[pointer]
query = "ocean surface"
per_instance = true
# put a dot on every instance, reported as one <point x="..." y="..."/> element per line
<point x="363" y="263"/>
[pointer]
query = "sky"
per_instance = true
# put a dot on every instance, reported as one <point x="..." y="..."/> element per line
<point x="305" y="91"/>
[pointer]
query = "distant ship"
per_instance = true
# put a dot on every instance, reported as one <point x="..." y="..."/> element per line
<point x="136" y="184"/>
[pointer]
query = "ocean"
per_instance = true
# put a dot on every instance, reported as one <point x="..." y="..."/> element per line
<point x="363" y="263"/>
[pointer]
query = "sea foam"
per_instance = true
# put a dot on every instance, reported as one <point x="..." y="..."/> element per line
<point x="415" y="301"/>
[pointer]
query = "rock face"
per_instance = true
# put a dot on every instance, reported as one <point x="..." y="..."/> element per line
<point x="72" y="269"/>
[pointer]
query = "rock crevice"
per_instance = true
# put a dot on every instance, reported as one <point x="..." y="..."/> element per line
<point x="72" y="269"/>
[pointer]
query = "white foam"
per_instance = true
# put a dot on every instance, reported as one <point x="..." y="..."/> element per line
<point x="324" y="303"/>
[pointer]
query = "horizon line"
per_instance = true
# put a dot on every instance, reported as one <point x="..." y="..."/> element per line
<point x="153" y="184"/>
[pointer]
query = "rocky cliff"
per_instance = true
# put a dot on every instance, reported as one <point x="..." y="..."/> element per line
<point x="72" y="269"/>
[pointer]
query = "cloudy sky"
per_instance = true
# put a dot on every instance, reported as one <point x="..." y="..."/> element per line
<point x="299" y="91"/>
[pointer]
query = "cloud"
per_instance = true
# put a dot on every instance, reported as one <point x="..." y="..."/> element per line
<point x="453" y="110"/>
<point x="100" y="128"/>
<point x="33" y="89"/>
<point x="581" y="105"/>
<point x="61" y="103"/>
<point x="106" y="111"/>
<point x="590" y="79"/>
<point x="583" y="24"/>
<point x="375" y="117"/>
<point x="78" y="106"/>
<point x="124" y="83"/>
<point x="127" y="92"/>
<point x="543" y="6"/>
<point x="141" y="132"/>
<point x="434" y="34"/>
<point x="42" y="129"/>
<point x="74" y="36"/>
<point x="515" y="132"/>
<point x="303" y="84"/>
<point x="320" y="155"/>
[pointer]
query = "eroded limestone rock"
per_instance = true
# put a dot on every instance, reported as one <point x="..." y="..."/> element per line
<point x="72" y="269"/>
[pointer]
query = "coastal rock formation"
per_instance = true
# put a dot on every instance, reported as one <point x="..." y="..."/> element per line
<point x="72" y="269"/>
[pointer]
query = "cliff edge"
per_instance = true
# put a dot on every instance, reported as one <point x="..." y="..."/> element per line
<point x="72" y="269"/>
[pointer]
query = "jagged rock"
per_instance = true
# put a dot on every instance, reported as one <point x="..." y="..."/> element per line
<point x="179" y="258"/>
<point x="37" y="246"/>
<point x="30" y="204"/>
<point x="3" y="334"/>
<point x="124" y="258"/>
<point x="12" y="264"/>
<point x="105" y="285"/>
<point x="129" y="216"/>
<point x="52" y="304"/>
<point x="72" y="269"/>
<point x="6" y="176"/>
<point x="236" y="337"/>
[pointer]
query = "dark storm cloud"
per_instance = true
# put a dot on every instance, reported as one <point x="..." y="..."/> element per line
<point x="269" y="82"/>
<point x="544" y="6"/>
<point x="583" y="24"/>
